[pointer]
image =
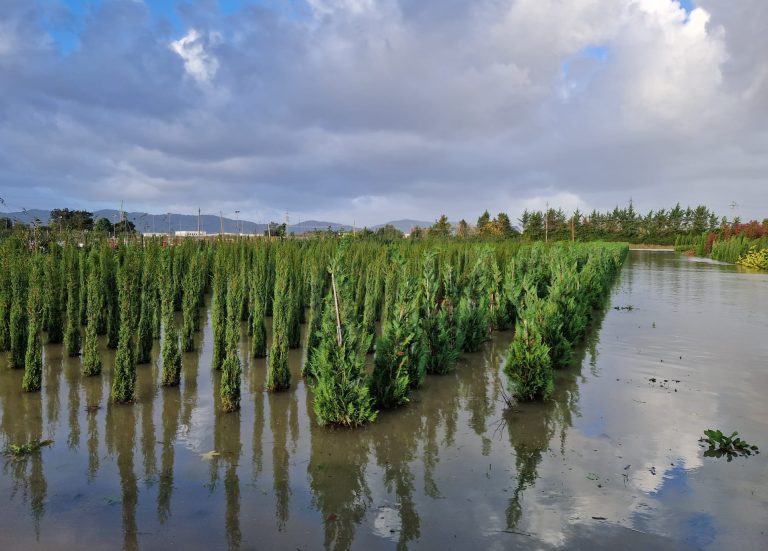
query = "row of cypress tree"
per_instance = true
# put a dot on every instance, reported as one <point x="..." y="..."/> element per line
<point x="417" y="305"/>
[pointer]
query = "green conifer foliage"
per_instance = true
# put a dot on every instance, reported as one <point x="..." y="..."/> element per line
<point x="109" y="266"/>
<point x="258" y="307"/>
<point x="91" y="356"/>
<point x="293" y="304"/>
<point x="6" y="258"/>
<point x="171" y="371"/>
<point x="338" y="365"/>
<point x="528" y="366"/>
<point x="401" y="353"/>
<point x="18" y="314"/>
<point x="189" y="311"/>
<point x="54" y="320"/>
<point x="231" y="369"/>
<point x="72" y="335"/>
<point x="33" y="361"/>
<point x="144" y="329"/>
<point x="316" y="290"/>
<point x="278" y="372"/>
<point x="474" y="310"/>
<point x="124" y="376"/>
<point x="82" y="289"/>
<point x="371" y="303"/>
<point x="219" y="315"/>
<point x="439" y="319"/>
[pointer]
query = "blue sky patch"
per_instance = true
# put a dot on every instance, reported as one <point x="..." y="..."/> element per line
<point x="687" y="5"/>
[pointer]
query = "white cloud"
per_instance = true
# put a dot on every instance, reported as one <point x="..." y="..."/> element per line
<point x="199" y="64"/>
<point x="374" y="110"/>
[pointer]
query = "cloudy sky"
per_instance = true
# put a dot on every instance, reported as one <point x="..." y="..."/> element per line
<point x="366" y="110"/>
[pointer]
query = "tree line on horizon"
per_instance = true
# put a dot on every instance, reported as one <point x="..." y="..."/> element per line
<point x="663" y="226"/>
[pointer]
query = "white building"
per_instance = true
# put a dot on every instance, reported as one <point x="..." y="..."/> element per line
<point x="192" y="233"/>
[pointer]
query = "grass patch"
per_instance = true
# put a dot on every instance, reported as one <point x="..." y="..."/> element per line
<point x="19" y="450"/>
<point x="721" y="445"/>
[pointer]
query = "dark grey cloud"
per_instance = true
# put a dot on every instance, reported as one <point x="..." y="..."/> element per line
<point x="369" y="110"/>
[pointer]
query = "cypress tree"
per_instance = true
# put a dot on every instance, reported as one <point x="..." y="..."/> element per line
<point x="391" y="288"/>
<point x="400" y="353"/>
<point x="231" y="369"/>
<point x="124" y="379"/>
<point x="72" y="324"/>
<point x="33" y="361"/>
<point x="171" y="372"/>
<point x="5" y="301"/>
<point x="219" y="316"/>
<point x="144" y="329"/>
<point x="258" y="326"/>
<point x="439" y="319"/>
<point x="189" y="310"/>
<point x="474" y="310"/>
<point x="82" y="289"/>
<point x="53" y="297"/>
<point x="18" y="315"/>
<point x="91" y="356"/>
<point x="316" y="289"/>
<point x="278" y="373"/>
<point x="338" y="364"/>
<point x="528" y="366"/>
<point x="294" y="308"/>
<point x="110" y="265"/>
<point x="370" y="303"/>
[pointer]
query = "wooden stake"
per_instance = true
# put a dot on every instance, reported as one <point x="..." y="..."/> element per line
<point x="338" y="314"/>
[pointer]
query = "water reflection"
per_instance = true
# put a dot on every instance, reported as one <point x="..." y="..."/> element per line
<point x="440" y="472"/>
<point x="121" y="440"/>
<point x="278" y="424"/>
<point x="337" y="478"/>
<point x="170" y="421"/>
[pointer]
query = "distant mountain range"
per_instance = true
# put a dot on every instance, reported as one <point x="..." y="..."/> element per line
<point x="160" y="223"/>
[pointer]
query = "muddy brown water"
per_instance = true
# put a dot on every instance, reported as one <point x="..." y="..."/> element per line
<point x="612" y="461"/>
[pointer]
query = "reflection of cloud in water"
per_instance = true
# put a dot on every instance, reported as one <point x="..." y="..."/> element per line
<point x="200" y="429"/>
<point x="387" y="523"/>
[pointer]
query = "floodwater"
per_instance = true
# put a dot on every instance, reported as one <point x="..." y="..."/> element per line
<point x="611" y="462"/>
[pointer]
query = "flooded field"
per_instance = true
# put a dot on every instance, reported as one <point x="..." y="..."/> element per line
<point x="611" y="461"/>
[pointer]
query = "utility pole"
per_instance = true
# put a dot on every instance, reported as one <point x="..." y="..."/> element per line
<point x="198" y="222"/>
<point x="546" y="222"/>
<point x="237" y="222"/>
<point x="221" y="224"/>
<point x="121" y="215"/>
<point x="169" y="224"/>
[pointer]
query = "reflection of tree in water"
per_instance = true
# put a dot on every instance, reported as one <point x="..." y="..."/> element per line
<point x="27" y="471"/>
<point x="231" y="454"/>
<point x="278" y="423"/>
<point x="394" y="451"/>
<point x="148" y="438"/>
<point x="53" y="366"/>
<point x="93" y="397"/>
<point x="227" y="442"/>
<point x="121" y="439"/>
<point x="171" y="410"/>
<point x="257" y="389"/>
<point x="532" y="426"/>
<point x="72" y="376"/>
<point x="481" y="387"/>
<point x="189" y="368"/>
<point x="530" y="430"/>
<point x="337" y="479"/>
